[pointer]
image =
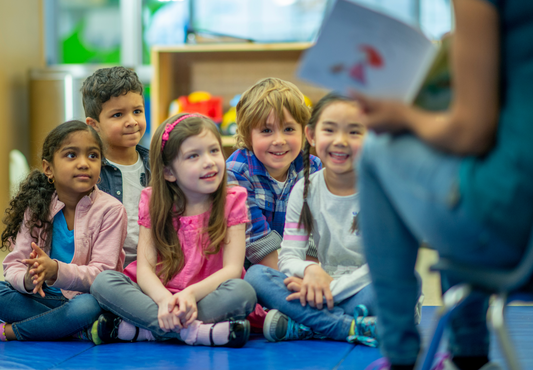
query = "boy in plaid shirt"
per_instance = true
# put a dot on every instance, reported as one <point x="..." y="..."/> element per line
<point x="271" y="116"/>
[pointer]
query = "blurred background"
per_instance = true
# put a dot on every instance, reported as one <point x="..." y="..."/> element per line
<point x="48" y="47"/>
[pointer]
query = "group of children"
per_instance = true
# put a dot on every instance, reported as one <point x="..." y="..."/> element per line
<point x="112" y="242"/>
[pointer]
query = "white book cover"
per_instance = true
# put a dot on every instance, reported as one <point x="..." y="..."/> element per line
<point x="369" y="52"/>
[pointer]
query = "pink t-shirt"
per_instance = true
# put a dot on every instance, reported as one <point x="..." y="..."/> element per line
<point x="197" y="266"/>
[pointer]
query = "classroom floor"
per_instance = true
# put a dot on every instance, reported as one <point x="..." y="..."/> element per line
<point x="257" y="354"/>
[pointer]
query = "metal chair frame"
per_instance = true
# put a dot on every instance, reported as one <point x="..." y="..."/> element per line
<point x="504" y="285"/>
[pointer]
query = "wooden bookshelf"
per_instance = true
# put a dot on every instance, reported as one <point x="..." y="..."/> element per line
<point x="221" y="69"/>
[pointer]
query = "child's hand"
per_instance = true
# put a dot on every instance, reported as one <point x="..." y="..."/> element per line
<point x="167" y="314"/>
<point x="185" y="307"/>
<point x="293" y="283"/>
<point x="41" y="268"/>
<point x="314" y="287"/>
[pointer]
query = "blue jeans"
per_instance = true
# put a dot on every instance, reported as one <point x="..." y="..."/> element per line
<point x="52" y="317"/>
<point x="409" y="193"/>
<point x="233" y="299"/>
<point x="335" y="324"/>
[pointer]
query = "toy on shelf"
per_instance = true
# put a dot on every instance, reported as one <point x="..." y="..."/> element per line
<point x="229" y="125"/>
<point x="198" y="102"/>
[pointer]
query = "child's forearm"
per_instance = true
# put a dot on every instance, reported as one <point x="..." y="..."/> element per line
<point x="151" y="285"/>
<point x="211" y="283"/>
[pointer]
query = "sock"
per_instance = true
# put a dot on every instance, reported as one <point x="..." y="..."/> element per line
<point x="471" y="362"/>
<point x="198" y="333"/>
<point x="126" y="331"/>
<point x="220" y="334"/>
<point x="352" y="329"/>
<point x="3" y="337"/>
<point x="84" y="334"/>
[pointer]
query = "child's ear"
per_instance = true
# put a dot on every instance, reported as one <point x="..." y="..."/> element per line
<point x="168" y="175"/>
<point x="310" y="135"/>
<point x="47" y="169"/>
<point x="93" y="123"/>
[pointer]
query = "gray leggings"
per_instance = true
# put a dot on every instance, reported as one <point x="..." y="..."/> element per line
<point x="115" y="292"/>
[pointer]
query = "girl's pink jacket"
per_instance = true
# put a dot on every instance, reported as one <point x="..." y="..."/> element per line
<point x="100" y="224"/>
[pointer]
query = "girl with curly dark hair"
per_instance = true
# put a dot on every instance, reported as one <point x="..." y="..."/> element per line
<point x="61" y="232"/>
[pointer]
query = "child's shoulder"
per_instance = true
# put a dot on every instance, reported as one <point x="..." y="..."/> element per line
<point x="239" y="160"/>
<point x="103" y="200"/>
<point x="236" y="211"/>
<point x="316" y="163"/>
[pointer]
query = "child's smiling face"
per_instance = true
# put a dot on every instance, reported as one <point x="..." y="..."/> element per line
<point x="338" y="136"/>
<point x="199" y="167"/>
<point x="277" y="146"/>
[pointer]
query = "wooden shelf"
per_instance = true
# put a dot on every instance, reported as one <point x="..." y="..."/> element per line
<point x="221" y="69"/>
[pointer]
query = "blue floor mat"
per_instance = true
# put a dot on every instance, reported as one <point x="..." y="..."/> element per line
<point x="257" y="355"/>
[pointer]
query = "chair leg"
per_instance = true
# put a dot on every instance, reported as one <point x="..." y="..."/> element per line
<point x="451" y="299"/>
<point x="497" y="321"/>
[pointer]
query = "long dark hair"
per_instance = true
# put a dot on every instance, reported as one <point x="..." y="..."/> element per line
<point x="169" y="202"/>
<point x="306" y="217"/>
<point x="35" y="192"/>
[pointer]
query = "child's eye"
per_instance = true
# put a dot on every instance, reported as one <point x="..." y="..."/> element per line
<point x="266" y="131"/>
<point x="290" y="129"/>
<point x="117" y="115"/>
<point x="192" y="156"/>
<point x="215" y="150"/>
<point x="328" y="130"/>
<point x="71" y="155"/>
<point x="94" y="155"/>
<point x="138" y="111"/>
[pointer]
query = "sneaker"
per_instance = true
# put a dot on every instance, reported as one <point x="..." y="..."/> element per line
<point x="365" y="328"/>
<point x="279" y="327"/>
<point x="107" y="328"/>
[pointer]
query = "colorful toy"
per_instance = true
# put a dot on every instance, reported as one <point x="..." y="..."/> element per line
<point x="198" y="102"/>
<point x="229" y="125"/>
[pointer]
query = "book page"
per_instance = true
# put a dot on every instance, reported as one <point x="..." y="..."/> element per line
<point x="367" y="51"/>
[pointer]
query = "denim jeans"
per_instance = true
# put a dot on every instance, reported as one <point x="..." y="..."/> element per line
<point x="335" y="323"/>
<point x="408" y="194"/>
<point x="52" y="317"/>
<point x="233" y="299"/>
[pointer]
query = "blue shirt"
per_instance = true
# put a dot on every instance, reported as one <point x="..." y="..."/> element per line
<point x="62" y="248"/>
<point x="497" y="188"/>
<point x="266" y="208"/>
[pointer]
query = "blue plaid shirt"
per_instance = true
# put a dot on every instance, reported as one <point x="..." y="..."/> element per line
<point x="266" y="209"/>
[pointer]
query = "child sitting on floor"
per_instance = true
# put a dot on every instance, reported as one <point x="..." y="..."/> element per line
<point x="61" y="231"/>
<point x="326" y="205"/>
<point x="186" y="281"/>
<point x="271" y="116"/>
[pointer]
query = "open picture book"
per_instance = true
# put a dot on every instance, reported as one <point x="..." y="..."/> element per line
<point x="369" y="52"/>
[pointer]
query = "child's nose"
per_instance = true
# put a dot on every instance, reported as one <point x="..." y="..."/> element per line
<point x="279" y="139"/>
<point x="131" y="121"/>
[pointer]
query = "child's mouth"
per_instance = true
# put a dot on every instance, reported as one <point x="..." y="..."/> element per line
<point x="209" y="175"/>
<point x="279" y="154"/>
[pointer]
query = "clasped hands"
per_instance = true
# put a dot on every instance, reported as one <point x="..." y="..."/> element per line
<point x="177" y="311"/>
<point x="312" y="289"/>
<point x="41" y="268"/>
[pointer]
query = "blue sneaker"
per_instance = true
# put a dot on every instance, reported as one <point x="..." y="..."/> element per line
<point x="279" y="327"/>
<point x="365" y="328"/>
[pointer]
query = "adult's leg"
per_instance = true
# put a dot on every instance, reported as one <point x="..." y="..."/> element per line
<point x="409" y="193"/>
<point x="119" y="294"/>
<point x="234" y="299"/>
<point x="272" y="293"/>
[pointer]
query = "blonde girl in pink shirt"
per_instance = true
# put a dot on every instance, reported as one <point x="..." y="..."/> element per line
<point x="186" y="282"/>
<point x="61" y="232"/>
